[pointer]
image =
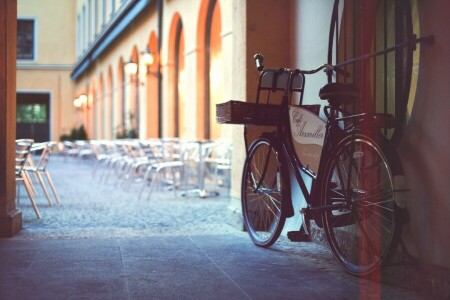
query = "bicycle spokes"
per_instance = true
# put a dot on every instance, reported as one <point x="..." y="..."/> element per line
<point x="360" y="223"/>
<point x="263" y="193"/>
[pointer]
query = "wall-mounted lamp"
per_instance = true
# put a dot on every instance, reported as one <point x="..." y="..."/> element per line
<point x="80" y="101"/>
<point x="131" y="67"/>
<point x="83" y="98"/>
<point x="147" y="57"/>
<point x="77" y="102"/>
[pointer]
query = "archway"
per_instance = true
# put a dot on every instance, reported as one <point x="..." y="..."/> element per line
<point x="119" y="100"/>
<point x="209" y="68"/>
<point x="132" y="107"/>
<point x="109" y="107"/>
<point x="99" y="108"/>
<point x="386" y="81"/>
<point x="177" y="77"/>
<point x="152" y="120"/>
<point x="90" y="110"/>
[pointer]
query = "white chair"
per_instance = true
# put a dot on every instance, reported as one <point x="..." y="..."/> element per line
<point x="40" y="168"/>
<point x="23" y="147"/>
<point x="168" y="168"/>
<point x="218" y="163"/>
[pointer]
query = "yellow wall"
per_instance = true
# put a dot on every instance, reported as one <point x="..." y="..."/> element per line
<point x="55" y="55"/>
<point x="138" y="36"/>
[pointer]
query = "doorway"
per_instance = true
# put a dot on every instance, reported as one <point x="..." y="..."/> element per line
<point x="32" y="116"/>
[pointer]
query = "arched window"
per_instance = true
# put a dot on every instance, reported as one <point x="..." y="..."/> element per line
<point x="359" y="28"/>
<point x="213" y="69"/>
<point x="175" y="106"/>
<point x="209" y="68"/>
<point x="180" y="80"/>
<point x="109" y="111"/>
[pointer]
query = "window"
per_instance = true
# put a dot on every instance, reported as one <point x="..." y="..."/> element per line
<point x="32" y="113"/>
<point x="84" y="31"/>
<point x="79" y="35"/>
<point x="112" y="8"/>
<point x="103" y="22"/>
<point x="360" y="28"/>
<point x="26" y="39"/>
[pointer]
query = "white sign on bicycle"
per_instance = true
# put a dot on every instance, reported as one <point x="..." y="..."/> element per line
<point x="308" y="133"/>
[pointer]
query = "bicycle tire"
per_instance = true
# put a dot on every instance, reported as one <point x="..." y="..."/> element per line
<point x="265" y="185"/>
<point x="364" y="231"/>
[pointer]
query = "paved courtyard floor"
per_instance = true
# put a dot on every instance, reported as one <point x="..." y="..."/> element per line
<point x="103" y="242"/>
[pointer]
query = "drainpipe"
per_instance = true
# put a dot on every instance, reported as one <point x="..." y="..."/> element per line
<point x="160" y="34"/>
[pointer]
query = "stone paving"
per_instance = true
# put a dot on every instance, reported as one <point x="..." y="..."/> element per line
<point x="157" y="244"/>
<point x="90" y="208"/>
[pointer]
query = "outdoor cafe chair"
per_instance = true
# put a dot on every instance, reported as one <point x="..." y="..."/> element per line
<point x="146" y="155"/>
<point x="169" y="167"/>
<point x="218" y="162"/>
<point x="102" y="152"/>
<point x="31" y="173"/>
<point x="40" y="168"/>
<point x="23" y="147"/>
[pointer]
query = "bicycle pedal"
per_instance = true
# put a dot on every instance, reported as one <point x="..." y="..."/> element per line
<point x="298" y="236"/>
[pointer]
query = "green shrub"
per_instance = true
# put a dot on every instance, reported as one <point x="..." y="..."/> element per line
<point x="75" y="134"/>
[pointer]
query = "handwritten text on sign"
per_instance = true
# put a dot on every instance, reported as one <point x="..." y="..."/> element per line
<point x="308" y="133"/>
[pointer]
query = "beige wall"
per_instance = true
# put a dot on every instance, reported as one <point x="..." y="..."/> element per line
<point x="58" y="84"/>
<point x="425" y="146"/>
<point x="55" y="55"/>
<point x="264" y="26"/>
<point x="138" y="36"/>
<point x="56" y="29"/>
<point x="122" y="50"/>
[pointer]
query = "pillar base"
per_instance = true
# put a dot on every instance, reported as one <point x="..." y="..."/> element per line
<point x="11" y="224"/>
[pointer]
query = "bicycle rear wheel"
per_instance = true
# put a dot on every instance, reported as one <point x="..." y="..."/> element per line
<point x="264" y="183"/>
<point x="361" y="227"/>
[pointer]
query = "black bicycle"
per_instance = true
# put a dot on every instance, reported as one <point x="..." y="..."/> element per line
<point x="352" y="166"/>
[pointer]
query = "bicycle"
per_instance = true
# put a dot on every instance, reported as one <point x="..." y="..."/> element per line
<point x="353" y="168"/>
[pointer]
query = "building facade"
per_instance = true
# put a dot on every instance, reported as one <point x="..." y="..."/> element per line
<point x="172" y="95"/>
<point x="45" y="58"/>
<point x="201" y="54"/>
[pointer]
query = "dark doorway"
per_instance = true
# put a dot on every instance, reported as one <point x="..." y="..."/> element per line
<point x="32" y="116"/>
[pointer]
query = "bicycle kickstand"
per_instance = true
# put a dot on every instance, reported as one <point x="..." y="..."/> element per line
<point x="303" y="234"/>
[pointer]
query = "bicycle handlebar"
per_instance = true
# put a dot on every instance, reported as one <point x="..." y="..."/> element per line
<point x="259" y="58"/>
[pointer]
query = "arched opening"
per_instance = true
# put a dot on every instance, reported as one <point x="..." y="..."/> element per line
<point x="359" y="28"/>
<point x="109" y="107"/>
<point x="119" y="100"/>
<point x="177" y="80"/>
<point x="99" y="108"/>
<point x="152" y="121"/>
<point x="132" y="108"/>
<point x="209" y="68"/>
<point x="90" y="109"/>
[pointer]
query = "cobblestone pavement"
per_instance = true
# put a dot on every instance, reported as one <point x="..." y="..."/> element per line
<point x="166" y="247"/>
<point x="92" y="208"/>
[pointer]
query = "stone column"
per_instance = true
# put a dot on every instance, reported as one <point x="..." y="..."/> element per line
<point x="10" y="216"/>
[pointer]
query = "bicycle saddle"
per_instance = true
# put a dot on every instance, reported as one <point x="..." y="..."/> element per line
<point x="339" y="93"/>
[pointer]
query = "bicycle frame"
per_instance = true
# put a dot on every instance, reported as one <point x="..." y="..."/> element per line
<point x="295" y="164"/>
<point x="352" y="166"/>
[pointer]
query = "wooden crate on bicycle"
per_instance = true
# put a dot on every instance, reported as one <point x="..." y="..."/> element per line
<point x="267" y="110"/>
<point x="274" y="87"/>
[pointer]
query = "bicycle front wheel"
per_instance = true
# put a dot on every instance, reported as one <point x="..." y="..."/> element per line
<point x="358" y="188"/>
<point x="264" y="183"/>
